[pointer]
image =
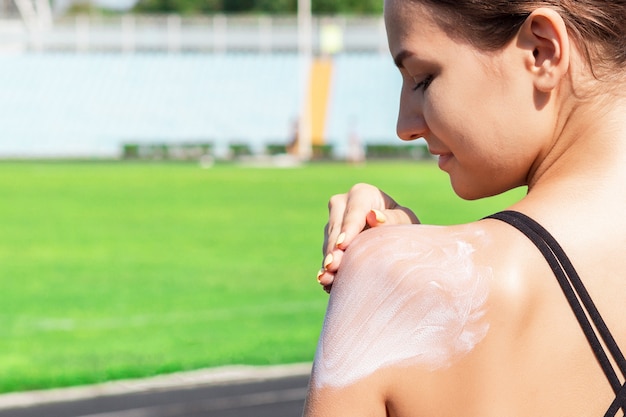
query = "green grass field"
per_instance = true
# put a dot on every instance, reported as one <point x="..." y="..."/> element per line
<point x="120" y="270"/>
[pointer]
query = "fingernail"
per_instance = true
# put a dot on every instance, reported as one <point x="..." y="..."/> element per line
<point x="328" y="260"/>
<point x="380" y="217"/>
<point x="319" y="274"/>
<point x="340" y="239"/>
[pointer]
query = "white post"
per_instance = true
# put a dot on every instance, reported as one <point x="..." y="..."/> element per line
<point x="265" y="34"/>
<point x="220" y="26"/>
<point x="44" y="13"/>
<point x="305" y="49"/>
<point x="29" y="14"/>
<point x="128" y="33"/>
<point x="173" y="33"/>
<point x="82" y="33"/>
<point x="36" y="17"/>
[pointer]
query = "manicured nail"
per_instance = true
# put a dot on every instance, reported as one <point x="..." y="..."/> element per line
<point x="328" y="260"/>
<point x="380" y="217"/>
<point x="319" y="274"/>
<point x="340" y="239"/>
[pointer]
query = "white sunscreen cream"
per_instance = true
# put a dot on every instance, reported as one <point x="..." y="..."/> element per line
<point x="403" y="295"/>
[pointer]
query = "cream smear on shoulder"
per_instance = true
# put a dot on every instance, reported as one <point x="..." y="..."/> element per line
<point x="402" y="295"/>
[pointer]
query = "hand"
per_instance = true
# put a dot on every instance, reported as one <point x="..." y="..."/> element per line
<point x="364" y="206"/>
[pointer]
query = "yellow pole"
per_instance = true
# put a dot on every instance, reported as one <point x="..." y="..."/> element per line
<point x="319" y="95"/>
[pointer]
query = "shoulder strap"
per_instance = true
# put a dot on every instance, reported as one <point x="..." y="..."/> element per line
<point x="578" y="299"/>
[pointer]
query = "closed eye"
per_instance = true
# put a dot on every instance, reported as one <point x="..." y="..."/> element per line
<point x="424" y="83"/>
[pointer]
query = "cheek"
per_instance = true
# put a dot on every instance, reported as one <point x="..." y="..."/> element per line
<point x="479" y="118"/>
<point x="449" y="109"/>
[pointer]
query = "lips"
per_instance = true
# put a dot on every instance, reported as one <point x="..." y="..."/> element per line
<point x="443" y="156"/>
<point x="437" y="153"/>
<point x="443" y="160"/>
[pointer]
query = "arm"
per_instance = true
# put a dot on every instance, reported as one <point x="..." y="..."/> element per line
<point x="406" y="301"/>
<point x="362" y="399"/>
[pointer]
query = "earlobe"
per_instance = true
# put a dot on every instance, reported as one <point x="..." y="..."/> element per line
<point x="544" y="36"/>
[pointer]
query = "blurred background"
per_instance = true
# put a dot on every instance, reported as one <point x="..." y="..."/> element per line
<point x="165" y="167"/>
<point x="148" y="222"/>
<point x="178" y="78"/>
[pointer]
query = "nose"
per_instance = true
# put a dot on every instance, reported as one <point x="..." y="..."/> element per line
<point x="411" y="124"/>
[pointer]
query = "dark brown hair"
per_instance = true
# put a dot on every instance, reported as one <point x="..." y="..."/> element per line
<point x="598" y="26"/>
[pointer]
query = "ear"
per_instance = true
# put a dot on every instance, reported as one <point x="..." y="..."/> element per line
<point x="546" y="43"/>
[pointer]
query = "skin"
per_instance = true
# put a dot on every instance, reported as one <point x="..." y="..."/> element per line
<point x="430" y="314"/>
<point x="529" y="114"/>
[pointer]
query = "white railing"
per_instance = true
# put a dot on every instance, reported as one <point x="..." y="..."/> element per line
<point x="173" y="33"/>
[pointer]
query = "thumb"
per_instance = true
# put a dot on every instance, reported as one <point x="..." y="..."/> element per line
<point x="398" y="215"/>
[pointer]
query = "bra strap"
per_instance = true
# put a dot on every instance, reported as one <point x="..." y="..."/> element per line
<point x="575" y="293"/>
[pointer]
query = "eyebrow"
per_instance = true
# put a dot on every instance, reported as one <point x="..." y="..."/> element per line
<point x="400" y="57"/>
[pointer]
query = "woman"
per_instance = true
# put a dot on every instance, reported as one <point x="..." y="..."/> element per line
<point x="488" y="318"/>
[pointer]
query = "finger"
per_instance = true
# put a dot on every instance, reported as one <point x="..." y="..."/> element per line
<point x="333" y="259"/>
<point x="336" y="209"/>
<point x="326" y="239"/>
<point x="399" y="215"/>
<point x="361" y="199"/>
<point x="326" y="278"/>
<point x="376" y="218"/>
<point x="326" y="274"/>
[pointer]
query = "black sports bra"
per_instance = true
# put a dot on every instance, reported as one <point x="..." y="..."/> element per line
<point x="579" y="300"/>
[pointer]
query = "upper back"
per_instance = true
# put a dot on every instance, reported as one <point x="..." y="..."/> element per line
<point x="534" y="360"/>
<point x="464" y="320"/>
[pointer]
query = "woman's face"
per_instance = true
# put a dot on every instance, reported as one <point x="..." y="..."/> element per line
<point x="477" y="110"/>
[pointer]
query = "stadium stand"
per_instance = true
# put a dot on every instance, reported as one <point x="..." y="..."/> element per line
<point x="364" y="101"/>
<point x="131" y="85"/>
<point x="106" y="86"/>
<point x="68" y="104"/>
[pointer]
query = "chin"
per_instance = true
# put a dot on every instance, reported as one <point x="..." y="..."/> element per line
<point x="470" y="196"/>
<point x="470" y="192"/>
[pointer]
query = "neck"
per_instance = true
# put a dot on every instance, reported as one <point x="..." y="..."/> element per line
<point x="581" y="179"/>
<point x="589" y="149"/>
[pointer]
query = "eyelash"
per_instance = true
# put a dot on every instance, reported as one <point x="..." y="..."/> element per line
<point x="423" y="84"/>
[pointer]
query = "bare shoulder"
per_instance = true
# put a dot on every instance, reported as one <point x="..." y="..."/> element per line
<point x="412" y="293"/>
<point x="414" y="297"/>
<point x="484" y="256"/>
<point x="420" y="314"/>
